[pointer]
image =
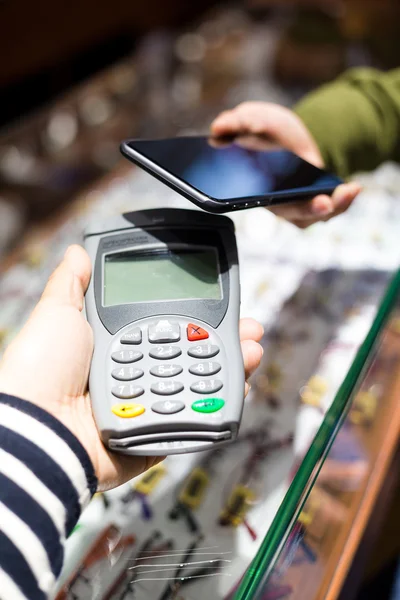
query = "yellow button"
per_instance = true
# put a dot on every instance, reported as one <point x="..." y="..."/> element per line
<point x="128" y="410"/>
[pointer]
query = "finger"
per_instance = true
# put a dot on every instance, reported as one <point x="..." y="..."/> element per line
<point x="256" y="142"/>
<point x="252" y="354"/>
<point x="249" y="329"/>
<point x="258" y="118"/>
<point x="249" y="117"/>
<point x="279" y="124"/>
<point x="319" y="208"/>
<point x="227" y="123"/>
<point x="341" y="199"/>
<point x="248" y="142"/>
<point x="304" y="210"/>
<point x="68" y="283"/>
<point x="344" y="195"/>
<point x="220" y="142"/>
<point x="78" y="260"/>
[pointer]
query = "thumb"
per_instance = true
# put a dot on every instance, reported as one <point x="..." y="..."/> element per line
<point x="69" y="282"/>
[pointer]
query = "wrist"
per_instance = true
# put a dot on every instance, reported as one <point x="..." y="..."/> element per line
<point x="27" y="421"/>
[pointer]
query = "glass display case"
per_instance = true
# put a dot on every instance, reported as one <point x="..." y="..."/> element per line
<point x="302" y="550"/>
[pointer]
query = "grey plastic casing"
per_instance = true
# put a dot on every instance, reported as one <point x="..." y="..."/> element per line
<point x="186" y="431"/>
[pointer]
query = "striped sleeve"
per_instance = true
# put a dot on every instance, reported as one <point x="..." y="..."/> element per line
<point x="46" y="480"/>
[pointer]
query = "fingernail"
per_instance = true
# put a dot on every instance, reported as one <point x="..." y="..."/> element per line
<point x="68" y="251"/>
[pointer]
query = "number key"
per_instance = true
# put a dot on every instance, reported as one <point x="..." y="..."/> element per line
<point x="203" y="351"/>
<point x="126" y="356"/>
<point x="166" y="370"/>
<point x="166" y="388"/>
<point x="126" y="373"/>
<point x="205" y="368"/>
<point x="127" y="391"/>
<point x="165" y="352"/>
<point x="206" y="386"/>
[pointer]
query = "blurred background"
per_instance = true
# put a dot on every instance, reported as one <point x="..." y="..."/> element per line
<point x="78" y="77"/>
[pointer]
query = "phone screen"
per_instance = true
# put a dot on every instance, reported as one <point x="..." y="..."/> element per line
<point x="228" y="170"/>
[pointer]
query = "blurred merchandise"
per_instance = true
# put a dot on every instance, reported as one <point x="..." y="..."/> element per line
<point x="175" y="82"/>
<point x="51" y="155"/>
<point x="377" y="24"/>
<point x="12" y="220"/>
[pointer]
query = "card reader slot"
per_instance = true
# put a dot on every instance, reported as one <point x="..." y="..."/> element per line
<point x="191" y="436"/>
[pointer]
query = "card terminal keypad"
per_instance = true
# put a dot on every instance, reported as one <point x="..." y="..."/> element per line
<point x="157" y="342"/>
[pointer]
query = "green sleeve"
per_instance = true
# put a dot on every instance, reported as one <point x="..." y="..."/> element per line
<point x="355" y="120"/>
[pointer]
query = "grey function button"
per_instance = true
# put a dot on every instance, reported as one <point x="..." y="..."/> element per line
<point x="203" y="351"/>
<point x="127" y="391"/>
<point x="164" y="331"/>
<point x="167" y="407"/>
<point x="205" y="368"/>
<point x="165" y="352"/>
<point x="206" y="386"/>
<point x="166" y="370"/>
<point x="126" y="356"/>
<point x="133" y="336"/>
<point x="167" y="388"/>
<point x="126" y="373"/>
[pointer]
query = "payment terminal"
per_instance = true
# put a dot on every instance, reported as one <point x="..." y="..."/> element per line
<point x="167" y="373"/>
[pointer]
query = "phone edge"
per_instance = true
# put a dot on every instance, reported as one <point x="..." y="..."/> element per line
<point x="212" y="205"/>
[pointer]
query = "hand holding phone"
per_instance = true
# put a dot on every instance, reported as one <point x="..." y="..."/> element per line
<point x="284" y="127"/>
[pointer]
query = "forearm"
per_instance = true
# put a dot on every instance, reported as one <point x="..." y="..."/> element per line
<point x="46" y="479"/>
<point x="355" y="120"/>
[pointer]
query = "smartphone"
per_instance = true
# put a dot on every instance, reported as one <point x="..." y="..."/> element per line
<point x="222" y="175"/>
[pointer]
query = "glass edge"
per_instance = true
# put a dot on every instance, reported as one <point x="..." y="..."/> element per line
<point x="304" y="479"/>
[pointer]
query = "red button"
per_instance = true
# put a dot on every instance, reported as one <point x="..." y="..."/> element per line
<point x="195" y="333"/>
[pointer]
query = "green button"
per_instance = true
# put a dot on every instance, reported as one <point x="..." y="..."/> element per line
<point x="209" y="405"/>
